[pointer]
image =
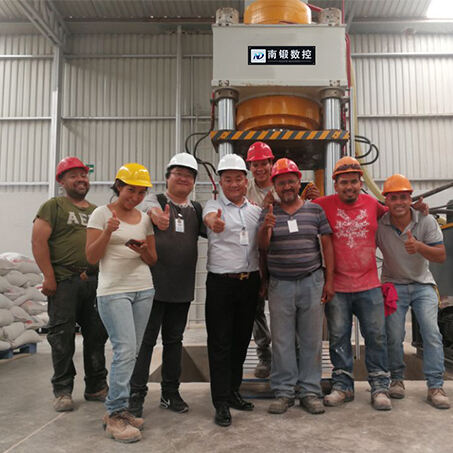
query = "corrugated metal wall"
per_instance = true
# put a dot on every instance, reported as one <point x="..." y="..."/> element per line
<point x="119" y="105"/>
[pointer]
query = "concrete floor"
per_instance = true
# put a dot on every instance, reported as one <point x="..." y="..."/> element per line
<point x="29" y="424"/>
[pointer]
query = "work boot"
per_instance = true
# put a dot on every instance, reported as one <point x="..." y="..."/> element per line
<point x="136" y="401"/>
<point x="174" y="402"/>
<point x="101" y="395"/>
<point x="222" y="415"/>
<point x="338" y="397"/>
<point x="136" y="422"/>
<point x="237" y="402"/>
<point x="263" y="369"/>
<point x="438" y="398"/>
<point x="118" y="428"/>
<point x="280" y="405"/>
<point x="381" y="401"/>
<point x="63" y="403"/>
<point x="312" y="404"/>
<point x="396" y="390"/>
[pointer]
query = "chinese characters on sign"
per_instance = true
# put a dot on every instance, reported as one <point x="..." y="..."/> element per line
<point x="301" y="55"/>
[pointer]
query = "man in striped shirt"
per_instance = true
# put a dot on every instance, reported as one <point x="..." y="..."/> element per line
<point x="297" y="289"/>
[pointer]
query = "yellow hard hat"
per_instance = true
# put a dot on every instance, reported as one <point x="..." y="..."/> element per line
<point x="396" y="183"/>
<point x="347" y="164"/>
<point x="134" y="175"/>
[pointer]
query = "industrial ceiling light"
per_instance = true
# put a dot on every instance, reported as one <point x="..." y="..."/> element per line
<point x="440" y="9"/>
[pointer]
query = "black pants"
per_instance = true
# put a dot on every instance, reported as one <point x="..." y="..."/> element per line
<point x="75" y="302"/>
<point x="261" y="333"/>
<point x="172" y="318"/>
<point x="230" y="311"/>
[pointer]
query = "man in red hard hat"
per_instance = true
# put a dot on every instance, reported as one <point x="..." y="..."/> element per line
<point x="409" y="242"/>
<point x="58" y="243"/>
<point x="297" y="289"/>
<point x="260" y="191"/>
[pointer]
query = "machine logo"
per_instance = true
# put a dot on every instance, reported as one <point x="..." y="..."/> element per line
<point x="257" y="55"/>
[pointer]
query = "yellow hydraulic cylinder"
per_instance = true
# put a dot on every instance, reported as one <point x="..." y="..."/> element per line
<point x="277" y="12"/>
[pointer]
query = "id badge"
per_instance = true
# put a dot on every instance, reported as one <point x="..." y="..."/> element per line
<point x="292" y="226"/>
<point x="179" y="225"/>
<point x="244" y="237"/>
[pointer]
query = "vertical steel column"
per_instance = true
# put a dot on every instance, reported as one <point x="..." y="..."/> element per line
<point x="55" y="122"/>
<point x="331" y="120"/>
<point x="226" y="112"/>
<point x="178" y="148"/>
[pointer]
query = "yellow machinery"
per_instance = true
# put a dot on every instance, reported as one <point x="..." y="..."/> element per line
<point x="281" y="79"/>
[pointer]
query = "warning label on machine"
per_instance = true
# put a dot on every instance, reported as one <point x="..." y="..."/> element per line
<point x="282" y="55"/>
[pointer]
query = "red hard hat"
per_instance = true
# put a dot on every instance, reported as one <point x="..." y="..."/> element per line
<point x="68" y="163"/>
<point x="283" y="166"/>
<point x="259" y="151"/>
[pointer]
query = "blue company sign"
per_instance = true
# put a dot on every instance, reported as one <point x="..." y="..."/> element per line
<point x="283" y="55"/>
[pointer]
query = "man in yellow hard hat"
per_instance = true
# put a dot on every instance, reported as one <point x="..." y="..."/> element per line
<point x="409" y="242"/>
<point x="58" y="244"/>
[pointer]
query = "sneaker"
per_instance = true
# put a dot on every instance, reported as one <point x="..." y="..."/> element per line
<point x="101" y="395"/>
<point x="136" y="401"/>
<point x="312" y="404"/>
<point x="396" y="390"/>
<point x="438" y="398"/>
<point x="280" y="405"/>
<point x="117" y="426"/>
<point x="381" y="401"/>
<point x="338" y="397"/>
<point x="63" y="403"/>
<point x="263" y="369"/>
<point x="174" y="402"/>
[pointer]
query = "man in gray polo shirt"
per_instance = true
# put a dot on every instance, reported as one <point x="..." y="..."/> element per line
<point x="409" y="241"/>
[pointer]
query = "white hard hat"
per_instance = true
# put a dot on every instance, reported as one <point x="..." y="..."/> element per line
<point x="183" y="160"/>
<point x="232" y="162"/>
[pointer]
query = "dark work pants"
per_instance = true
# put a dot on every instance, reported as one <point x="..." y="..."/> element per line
<point x="172" y="318"/>
<point x="75" y="302"/>
<point x="230" y="311"/>
<point x="261" y="333"/>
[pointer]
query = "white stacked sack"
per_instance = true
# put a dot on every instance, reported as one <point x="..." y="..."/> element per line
<point x="23" y="308"/>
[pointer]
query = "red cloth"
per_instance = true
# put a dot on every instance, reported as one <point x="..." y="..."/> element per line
<point x="354" y="229"/>
<point x="390" y="298"/>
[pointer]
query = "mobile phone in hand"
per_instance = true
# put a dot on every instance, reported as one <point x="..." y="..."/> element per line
<point x="134" y="242"/>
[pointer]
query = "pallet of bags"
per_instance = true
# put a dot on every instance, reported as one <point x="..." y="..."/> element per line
<point x="23" y="308"/>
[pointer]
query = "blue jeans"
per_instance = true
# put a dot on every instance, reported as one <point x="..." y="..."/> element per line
<point x="125" y="317"/>
<point x="424" y="302"/>
<point x="296" y="313"/>
<point x="368" y="306"/>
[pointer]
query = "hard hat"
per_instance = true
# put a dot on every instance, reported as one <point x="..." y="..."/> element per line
<point x="183" y="160"/>
<point x="396" y="183"/>
<point x="347" y="164"/>
<point x="232" y="162"/>
<point x="68" y="163"/>
<point x="283" y="166"/>
<point x="259" y="151"/>
<point x="134" y="175"/>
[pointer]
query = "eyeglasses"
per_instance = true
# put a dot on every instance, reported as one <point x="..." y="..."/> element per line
<point x="179" y="174"/>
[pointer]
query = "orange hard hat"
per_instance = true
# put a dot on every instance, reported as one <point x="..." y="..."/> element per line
<point x="396" y="183"/>
<point x="347" y="164"/>
<point x="68" y="163"/>
<point x="259" y="151"/>
<point x="283" y="166"/>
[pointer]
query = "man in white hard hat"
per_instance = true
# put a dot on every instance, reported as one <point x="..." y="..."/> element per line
<point x="232" y="285"/>
<point x="178" y="224"/>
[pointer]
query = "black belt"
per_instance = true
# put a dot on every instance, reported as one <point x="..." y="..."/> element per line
<point x="238" y="275"/>
<point x="81" y="270"/>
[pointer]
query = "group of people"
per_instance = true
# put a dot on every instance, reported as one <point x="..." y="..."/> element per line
<point x="308" y="255"/>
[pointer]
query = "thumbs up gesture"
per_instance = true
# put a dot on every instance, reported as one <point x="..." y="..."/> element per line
<point x="214" y="221"/>
<point x="162" y="218"/>
<point x="113" y="223"/>
<point x="269" y="219"/>
<point x="411" y="244"/>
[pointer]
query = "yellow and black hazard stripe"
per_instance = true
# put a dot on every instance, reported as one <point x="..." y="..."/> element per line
<point x="331" y="134"/>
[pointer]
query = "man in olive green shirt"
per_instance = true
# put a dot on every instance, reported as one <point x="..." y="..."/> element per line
<point x="58" y="243"/>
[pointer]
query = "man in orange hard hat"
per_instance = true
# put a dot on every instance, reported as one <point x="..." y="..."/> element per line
<point x="261" y="191"/>
<point x="409" y="242"/>
<point x="353" y="217"/>
<point x="58" y="244"/>
<point x="297" y="288"/>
